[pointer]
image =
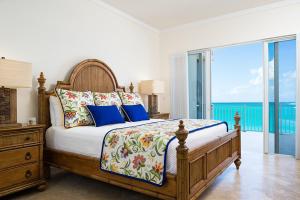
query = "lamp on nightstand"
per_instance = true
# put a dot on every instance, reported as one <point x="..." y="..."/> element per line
<point x="152" y="88"/>
<point x="13" y="75"/>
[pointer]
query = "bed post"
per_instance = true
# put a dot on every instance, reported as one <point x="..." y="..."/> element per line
<point x="42" y="114"/>
<point x="131" y="87"/>
<point x="41" y="99"/>
<point x="237" y="126"/>
<point x="182" y="164"/>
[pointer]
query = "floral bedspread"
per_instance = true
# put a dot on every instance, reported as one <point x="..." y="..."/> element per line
<point x="140" y="151"/>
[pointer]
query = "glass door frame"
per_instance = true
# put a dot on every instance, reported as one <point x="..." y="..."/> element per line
<point x="297" y="137"/>
<point x="207" y="80"/>
<point x="266" y="116"/>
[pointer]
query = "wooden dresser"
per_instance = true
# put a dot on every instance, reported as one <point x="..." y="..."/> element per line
<point x="21" y="159"/>
<point x="160" y="116"/>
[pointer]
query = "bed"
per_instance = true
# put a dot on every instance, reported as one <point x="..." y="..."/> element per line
<point x="193" y="160"/>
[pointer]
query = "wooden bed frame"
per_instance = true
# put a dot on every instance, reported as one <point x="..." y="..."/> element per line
<point x="196" y="169"/>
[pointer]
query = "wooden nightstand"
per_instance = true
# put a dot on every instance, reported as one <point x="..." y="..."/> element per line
<point x="160" y="116"/>
<point x="21" y="159"/>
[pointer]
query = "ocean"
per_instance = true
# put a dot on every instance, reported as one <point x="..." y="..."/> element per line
<point x="251" y="114"/>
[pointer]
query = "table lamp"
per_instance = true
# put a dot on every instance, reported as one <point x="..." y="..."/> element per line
<point x="152" y="88"/>
<point x="13" y="75"/>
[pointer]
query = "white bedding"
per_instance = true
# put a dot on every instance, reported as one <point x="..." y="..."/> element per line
<point x="87" y="140"/>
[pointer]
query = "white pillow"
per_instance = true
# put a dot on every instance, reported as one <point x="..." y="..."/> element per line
<point x="56" y="112"/>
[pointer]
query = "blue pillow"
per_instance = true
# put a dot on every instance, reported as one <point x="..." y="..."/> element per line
<point x="135" y="112"/>
<point x="104" y="115"/>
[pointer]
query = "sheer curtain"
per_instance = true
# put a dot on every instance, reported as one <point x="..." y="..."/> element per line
<point x="179" y="86"/>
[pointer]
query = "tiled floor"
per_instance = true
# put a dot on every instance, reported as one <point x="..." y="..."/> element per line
<point x="261" y="177"/>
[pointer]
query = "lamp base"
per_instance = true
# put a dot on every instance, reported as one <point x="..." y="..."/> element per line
<point x="8" y="106"/>
<point x="152" y="104"/>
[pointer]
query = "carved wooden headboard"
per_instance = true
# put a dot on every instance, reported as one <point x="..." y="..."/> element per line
<point x="89" y="75"/>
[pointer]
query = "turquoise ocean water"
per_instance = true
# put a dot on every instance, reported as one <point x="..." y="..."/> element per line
<point x="252" y="115"/>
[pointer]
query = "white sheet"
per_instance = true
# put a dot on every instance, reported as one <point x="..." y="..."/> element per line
<point x="87" y="140"/>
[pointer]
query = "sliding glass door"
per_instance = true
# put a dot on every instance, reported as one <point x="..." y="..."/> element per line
<point x="280" y="96"/>
<point x="275" y="116"/>
<point x="236" y="84"/>
<point x="199" y="81"/>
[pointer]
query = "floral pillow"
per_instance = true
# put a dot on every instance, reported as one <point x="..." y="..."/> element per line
<point x="131" y="98"/>
<point x="107" y="99"/>
<point x="74" y="106"/>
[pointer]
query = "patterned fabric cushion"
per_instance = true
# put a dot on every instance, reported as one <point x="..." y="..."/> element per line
<point x="74" y="106"/>
<point x="131" y="98"/>
<point x="107" y="99"/>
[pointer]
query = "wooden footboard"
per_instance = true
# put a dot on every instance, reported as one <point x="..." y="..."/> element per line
<point x="197" y="169"/>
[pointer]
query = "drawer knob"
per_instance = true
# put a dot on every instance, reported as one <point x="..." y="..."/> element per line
<point x="28" y="156"/>
<point x="27" y="138"/>
<point x="28" y="174"/>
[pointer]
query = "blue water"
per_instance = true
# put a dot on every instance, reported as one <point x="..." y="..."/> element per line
<point x="252" y="115"/>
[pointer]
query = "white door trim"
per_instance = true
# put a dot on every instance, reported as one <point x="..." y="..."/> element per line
<point x="297" y="136"/>
<point x="266" y="97"/>
<point x="208" y="84"/>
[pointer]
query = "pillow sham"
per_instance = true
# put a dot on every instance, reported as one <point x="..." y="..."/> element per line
<point x="56" y="111"/>
<point x="128" y="98"/>
<point x="104" y="115"/>
<point x="107" y="99"/>
<point x="74" y="107"/>
<point x="135" y="112"/>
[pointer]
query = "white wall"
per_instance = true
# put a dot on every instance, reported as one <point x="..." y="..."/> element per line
<point x="237" y="28"/>
<point x="54" y="35"/>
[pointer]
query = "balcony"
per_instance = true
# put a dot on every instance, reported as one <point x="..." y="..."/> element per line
<point x="252" y="122"/>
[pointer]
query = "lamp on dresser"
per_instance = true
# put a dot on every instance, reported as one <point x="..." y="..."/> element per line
<point x="13" y="75"/>
<point x="152" y="88"/>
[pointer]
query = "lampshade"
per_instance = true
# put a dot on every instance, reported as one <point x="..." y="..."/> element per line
<point x="151" y="87"/>
<point x="15" y="74"/>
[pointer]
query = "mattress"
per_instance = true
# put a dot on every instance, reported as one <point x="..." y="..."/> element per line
<point x="87" y="140"/>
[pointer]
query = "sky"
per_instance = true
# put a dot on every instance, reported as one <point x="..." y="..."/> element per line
<point x="287" y="73"/>
<point x="237" y="73"/>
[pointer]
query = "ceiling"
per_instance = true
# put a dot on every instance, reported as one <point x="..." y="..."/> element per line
<point x="162" y="14"/>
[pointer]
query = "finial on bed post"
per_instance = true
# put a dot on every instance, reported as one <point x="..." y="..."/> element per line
<point x="41" y="81"/>
<point x="237" y="119"/>
<point x="182" y="163"/>
<point x="131" y="87"/>
<point x="237" y="127"/>
<point x="181" y="135"/>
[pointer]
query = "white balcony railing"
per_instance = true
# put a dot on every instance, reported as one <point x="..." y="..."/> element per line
<point x="252" y="116"/>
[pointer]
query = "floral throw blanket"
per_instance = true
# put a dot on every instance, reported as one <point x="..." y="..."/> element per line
<point x="140" y="151"/>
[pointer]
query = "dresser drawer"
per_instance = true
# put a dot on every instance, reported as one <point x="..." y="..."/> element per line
<point x="18" y="175"/>
<point x="19" y="156"/>
<point x="19" y="138"/>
